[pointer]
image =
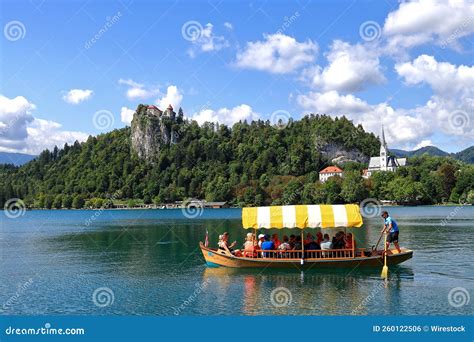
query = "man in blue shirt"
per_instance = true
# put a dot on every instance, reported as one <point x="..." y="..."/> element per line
<point x="267" y="245"/>
<point x="390" y="226"/>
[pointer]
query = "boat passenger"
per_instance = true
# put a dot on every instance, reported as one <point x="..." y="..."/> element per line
<point x="312" y="245"/>
<point x="326" y="244"/>
<point x="276" y="241"/>
<point x="285" y="245"/>
<point x="250" y="246"/>
<point x="348" y="241"/>
<point x="261" y="239"/>
<point x="224" y="242"/>
<point x="319" y="238"/>
<point x="308" y="239"/>
<point x="390" y="226"/>
<point x="267" y="245"/>
<point x="292" y="241"/>
<point x="338" y="241"/>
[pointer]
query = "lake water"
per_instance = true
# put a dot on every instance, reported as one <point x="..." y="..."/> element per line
<point x="147" y="262"/>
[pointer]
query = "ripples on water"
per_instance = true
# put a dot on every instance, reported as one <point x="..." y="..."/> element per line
<point x="52" y="262"/>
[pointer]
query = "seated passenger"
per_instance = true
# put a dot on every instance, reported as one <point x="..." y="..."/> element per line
<point x="292" y="241"/>
<point x="276" y="241"/>
<point x="319" y="238"/>
<point x="261" y="239"/>
<point x="312" y="245"/>
<point x="348" y="241"/>
<point x="250" y="246"/>
<point x="298" y="244"/>
<point x="308" y="239"/>
<point x="224" y="242"/>
<point x="285" y="244"/>
<point x="267" y="245"/>
<point x="338" y="241"/>
<point x="326" y="244"/>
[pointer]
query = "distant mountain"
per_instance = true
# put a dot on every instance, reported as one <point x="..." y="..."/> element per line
<point x="16" y="159"/>
<point x="466" y="155"/>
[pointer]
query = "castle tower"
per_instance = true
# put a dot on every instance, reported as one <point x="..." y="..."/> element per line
<point x="383" y="152"/>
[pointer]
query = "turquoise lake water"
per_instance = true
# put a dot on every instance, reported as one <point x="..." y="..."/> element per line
<point x="147" y="262"/>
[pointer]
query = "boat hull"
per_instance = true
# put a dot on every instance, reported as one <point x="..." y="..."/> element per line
<point x="215" y="259"/>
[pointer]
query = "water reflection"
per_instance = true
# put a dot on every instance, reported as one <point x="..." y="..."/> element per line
<point x="312" y="292"/>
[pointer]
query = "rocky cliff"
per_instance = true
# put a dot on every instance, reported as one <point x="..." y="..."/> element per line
<point x="151" y="129"/>
<point x="337" y="153"/>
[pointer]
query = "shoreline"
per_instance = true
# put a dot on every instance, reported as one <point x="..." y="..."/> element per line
<point x="198" y="208"/>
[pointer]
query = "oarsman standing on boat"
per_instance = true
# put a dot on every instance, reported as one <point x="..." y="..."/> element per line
<point x="391" y="227"/>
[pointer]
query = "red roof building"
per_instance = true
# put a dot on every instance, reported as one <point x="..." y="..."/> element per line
<point x="328" y="172"/>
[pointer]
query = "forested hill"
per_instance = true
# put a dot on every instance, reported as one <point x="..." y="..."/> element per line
<point x="162" y="158"/>
<point x="214" y="162"/>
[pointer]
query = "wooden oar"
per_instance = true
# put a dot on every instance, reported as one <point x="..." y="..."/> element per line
<point x="380" y="237"/>
<point x="384" y="274"/>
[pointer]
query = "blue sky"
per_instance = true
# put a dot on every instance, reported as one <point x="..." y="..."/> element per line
<point x="74" y="68"/>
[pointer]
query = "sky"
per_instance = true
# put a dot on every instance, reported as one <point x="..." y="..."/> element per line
<point x="70" y="69"/>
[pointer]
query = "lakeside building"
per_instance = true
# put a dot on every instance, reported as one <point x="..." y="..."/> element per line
<point x="383" y="162"/>
<point x="329" y="172"/>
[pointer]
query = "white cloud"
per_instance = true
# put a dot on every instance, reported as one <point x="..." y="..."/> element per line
<point x="76" y="96"/>
<point x="225" y="115"/>
<point x="207" y="41"/>
<point x="453" y="88"/>
<point x="423" y="143"/>
<point x="138" y="91"/>
<point x="21" y="132"/>
<point x="350" y="68"/>
<point x="126" y="115"/>
<point x="403" y="128"/>
<point x="44" y="134"/>
<point x="277" y="53"/>
<point x="445" y="78"/>
<point x="229" y="25"/>
<point x="421" y="21"/>
<point x="173" y="96"/>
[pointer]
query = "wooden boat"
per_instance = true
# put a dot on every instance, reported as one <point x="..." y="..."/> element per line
<point x="304" y="216"/>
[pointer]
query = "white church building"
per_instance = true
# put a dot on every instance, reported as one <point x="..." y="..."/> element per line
<point x="384" y="162"/>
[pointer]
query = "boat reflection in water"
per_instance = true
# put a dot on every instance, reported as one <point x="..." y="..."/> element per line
<point x="313" y="292"/>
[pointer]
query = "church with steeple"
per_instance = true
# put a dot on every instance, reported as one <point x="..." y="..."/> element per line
<point x="383" y="162"/>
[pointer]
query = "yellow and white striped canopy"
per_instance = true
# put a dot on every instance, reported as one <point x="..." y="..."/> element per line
<point x="302" y="216"/>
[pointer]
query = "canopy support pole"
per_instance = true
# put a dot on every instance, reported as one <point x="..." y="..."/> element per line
<point x="353" y="246"/>
<point x="302" y="246"/>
